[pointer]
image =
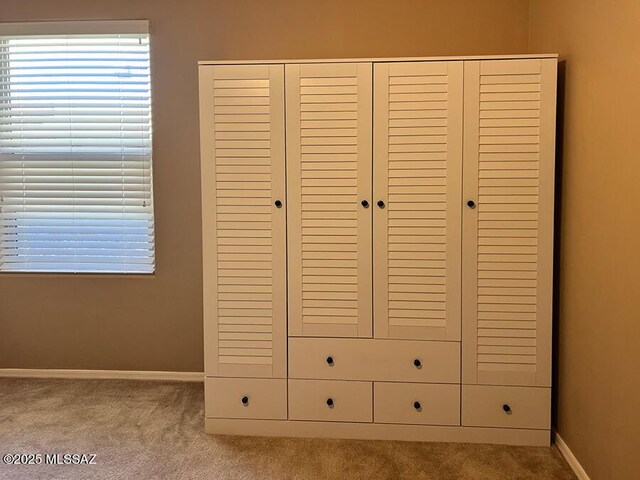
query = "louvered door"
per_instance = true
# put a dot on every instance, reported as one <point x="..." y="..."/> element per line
<point x="507" y="237"/>
<point x="329" y="175"/>
<point x="418" y="176"/>
<point x="244" y="239"/>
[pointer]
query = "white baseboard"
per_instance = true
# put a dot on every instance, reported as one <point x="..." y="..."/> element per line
<point x="102" y="374"/>
<point x="570" y="458"/>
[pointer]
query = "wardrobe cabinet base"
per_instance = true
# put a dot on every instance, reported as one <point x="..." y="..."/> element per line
<point x="373" y="431"/>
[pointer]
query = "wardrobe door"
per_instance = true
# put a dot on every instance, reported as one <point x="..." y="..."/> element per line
<point x="507" y="235"/>
<point x="417" y="200"/>
<point x="329" y="188"/>
<point x="244" y="235"/>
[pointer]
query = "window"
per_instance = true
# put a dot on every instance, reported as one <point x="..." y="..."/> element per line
<point x="75" y="148"/>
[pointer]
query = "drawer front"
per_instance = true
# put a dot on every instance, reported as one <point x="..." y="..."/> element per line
<point x="330" y="401"/>
<point x="246" y="398"/>
<point x="416" y="404"/>
<point x="516" y="407"/>
<point x="374" y="360"/>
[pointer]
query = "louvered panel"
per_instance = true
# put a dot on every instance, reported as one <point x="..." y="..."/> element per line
<point x="417" y="173"/>
<point x="509" y="142"/>
<point x="329" y="173"/>
<point x="497" y="204"/>
<point x="244" y="233"/>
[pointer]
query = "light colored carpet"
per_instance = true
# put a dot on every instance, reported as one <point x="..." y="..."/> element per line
<point x="149" y="430"/>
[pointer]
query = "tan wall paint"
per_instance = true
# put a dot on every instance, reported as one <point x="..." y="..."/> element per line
<point x="155" y="323"/>
<point x="599" y="293"/>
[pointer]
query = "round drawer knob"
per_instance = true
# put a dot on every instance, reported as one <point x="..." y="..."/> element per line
<point x="417" y="363"/>
<point x="330" y="361"/>
<point x="471" y="204"/>
<point x="417" y="406"/>
<point x="245" y="401"/>
<point x="278" y="204"/>
<point x="365" y="203"/>
<point x="507" y="408"/>
<point x="381" y="203"/>
<point x="330" y="402"/>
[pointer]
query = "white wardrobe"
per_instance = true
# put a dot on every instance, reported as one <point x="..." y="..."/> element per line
<point x="377" y="246"/>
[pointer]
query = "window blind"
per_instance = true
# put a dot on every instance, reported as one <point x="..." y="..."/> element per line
<point x="75" y="154"/>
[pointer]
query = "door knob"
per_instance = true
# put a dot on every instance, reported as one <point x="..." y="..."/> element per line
<point x="381" y="203"/>
<point x="365" y="204"/>
<point x="471" y="204"/>
<point x="278" y="204"/>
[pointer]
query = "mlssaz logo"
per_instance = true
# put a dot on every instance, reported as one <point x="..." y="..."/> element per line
<point x="70" y="459"/>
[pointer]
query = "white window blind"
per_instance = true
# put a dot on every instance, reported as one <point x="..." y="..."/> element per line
<point x="75" y="153"/>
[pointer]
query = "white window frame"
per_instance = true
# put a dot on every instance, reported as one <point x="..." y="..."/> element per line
<point x="117" y="27"/>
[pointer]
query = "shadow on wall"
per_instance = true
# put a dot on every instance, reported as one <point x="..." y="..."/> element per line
<point x="557" y="227"/>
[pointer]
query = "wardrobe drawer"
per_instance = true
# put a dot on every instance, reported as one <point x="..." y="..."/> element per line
<point x="516" y="407"/>
<point x="330" y="401"/>
<point x="376" y="360"/>
<point x="416" y="403"/>
<point x="262" y="398"/>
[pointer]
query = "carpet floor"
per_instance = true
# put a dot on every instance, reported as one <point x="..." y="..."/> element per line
<point x="153" y="430"/>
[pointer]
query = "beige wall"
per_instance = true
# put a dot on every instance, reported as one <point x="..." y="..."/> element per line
<point x="155" y="323"/>
<point x="599" y="296"/>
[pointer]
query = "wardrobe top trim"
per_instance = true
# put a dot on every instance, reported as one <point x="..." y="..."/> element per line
<point x="377" y="60"/>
